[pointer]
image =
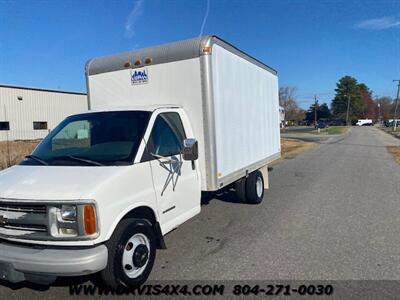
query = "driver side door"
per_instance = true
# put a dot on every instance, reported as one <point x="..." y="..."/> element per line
<point x="176" y="181"/>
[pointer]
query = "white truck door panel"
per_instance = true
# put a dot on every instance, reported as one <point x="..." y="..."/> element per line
<point x="176" y="183"/>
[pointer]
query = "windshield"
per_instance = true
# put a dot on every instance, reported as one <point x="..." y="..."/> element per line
<point x="103" y="138"/>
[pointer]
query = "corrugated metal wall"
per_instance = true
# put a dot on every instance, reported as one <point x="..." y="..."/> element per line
<point x="35" y="106"/>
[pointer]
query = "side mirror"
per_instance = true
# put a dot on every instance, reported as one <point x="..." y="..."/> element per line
<point x="190" y="149"/>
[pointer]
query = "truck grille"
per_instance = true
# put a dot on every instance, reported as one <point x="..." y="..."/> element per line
<point x="36" y="209"/>
<point x="23" y="220"/>
<point x="26" y="227"/>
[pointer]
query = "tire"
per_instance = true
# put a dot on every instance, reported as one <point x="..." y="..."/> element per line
<point x="240" y="189"/>
<point x="255" y="188"/>
<point x="131" y="254"/>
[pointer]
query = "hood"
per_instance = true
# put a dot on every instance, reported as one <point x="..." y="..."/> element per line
<point x="54" y="182"/>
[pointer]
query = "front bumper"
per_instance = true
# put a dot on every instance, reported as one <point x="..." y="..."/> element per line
<point x="20" y="262"/>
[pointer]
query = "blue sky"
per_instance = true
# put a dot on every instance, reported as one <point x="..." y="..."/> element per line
<point x="311" y="43"/>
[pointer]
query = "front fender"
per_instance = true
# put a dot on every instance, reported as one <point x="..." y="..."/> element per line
<point x="121" y="194"/>
<point x="125" y="212"/>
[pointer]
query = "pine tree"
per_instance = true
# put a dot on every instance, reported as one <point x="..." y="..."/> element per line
<point x="345" y="88"/>
<point x="323" y="112"/>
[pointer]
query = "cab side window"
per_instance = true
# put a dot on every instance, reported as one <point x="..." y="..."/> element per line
<point x="166" y="138"/>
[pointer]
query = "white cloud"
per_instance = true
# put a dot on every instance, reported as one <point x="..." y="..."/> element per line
<point x="203" y="24"/>
<point x="378" y="23"/>
<point x="134" y="15"/>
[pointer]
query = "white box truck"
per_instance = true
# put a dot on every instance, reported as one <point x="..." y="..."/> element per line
<point x="100" y="192"/>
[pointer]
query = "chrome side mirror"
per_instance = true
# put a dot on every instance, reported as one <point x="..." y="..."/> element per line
<point x="190" y="149"/>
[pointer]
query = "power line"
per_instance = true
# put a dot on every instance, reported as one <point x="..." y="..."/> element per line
<point x="307" y="94"/>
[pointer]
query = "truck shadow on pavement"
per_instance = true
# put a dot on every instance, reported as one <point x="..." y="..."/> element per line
<point x="225" y="195"/>
<point x="60" y="282"/>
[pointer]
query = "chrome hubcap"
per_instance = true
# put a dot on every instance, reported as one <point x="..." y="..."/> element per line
<point x="136" y="255"/>
<point x="259" y="187"/>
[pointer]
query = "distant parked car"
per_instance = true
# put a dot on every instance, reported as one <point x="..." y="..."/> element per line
<point x="304" y="123"/>
<point x="389" y="123"/>
<point x="337" y="122"/>
<point x="321" y="124"/>
<point x="364" y="122"/>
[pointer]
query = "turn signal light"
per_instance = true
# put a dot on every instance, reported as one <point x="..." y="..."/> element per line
<point x="89" y="219"/>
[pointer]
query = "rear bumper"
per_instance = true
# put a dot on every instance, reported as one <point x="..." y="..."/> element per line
<point x="19" y="262"/>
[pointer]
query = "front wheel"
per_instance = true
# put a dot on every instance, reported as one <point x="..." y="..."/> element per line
<point x="131" y="254"/>
<point x="255" y="188"/>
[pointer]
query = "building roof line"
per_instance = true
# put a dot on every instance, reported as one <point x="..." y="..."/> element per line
<point x="39" y="89"/>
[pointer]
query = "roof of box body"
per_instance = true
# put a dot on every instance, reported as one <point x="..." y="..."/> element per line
<point x="149" y="108"/>
<point x="180" y="50"/>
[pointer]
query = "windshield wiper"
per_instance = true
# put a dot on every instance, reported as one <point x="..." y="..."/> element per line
<point x="38" y="159"/>
<point x="86" y="160"/>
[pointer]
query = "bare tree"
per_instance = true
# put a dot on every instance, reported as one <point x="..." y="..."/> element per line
<point x="287" y="99"/>
<point x="386" y="108"/>
<point x="286" y="93"/>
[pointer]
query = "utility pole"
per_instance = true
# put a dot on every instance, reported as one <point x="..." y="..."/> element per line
<point x="379" y="115"/>
<point x="395" y="106"/>
<point x="315" y="110"/>
<point x="348" y="108"/>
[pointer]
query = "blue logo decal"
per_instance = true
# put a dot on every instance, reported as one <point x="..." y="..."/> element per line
<point x="140" y="76"/>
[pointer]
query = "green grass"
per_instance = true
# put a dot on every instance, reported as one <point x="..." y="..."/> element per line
<point x="312" y="130"/>
<point x="331" y="130"/>
<point x="390" y="129"/>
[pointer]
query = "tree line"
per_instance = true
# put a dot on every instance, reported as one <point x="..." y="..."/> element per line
<point x="357" y="97"/>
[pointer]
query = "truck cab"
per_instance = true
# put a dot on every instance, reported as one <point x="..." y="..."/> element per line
<point x="109" y="166"/>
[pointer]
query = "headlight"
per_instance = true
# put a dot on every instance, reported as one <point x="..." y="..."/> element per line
<point x="68" y="213"/>
<point x="69" y="221"/>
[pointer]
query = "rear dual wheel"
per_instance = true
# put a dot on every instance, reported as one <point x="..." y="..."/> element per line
<point x="251" y="189"/>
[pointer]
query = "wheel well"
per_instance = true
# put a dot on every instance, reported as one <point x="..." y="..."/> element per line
<point x="142" y="212"/>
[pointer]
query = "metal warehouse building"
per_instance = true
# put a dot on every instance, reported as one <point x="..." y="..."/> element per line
<point x="30" y="113"/>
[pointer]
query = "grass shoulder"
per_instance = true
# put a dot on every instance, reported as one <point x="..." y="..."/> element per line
<point x="291" y="147"/>
<point x="395" y="151"/>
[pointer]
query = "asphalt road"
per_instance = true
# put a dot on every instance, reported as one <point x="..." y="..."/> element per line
<point x="331" y="213"/>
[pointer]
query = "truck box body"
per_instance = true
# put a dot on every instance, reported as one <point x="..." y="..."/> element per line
<point x="230" y="98"/>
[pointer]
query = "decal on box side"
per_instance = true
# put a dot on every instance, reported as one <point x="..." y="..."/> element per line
<point x="139" y="76"/>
